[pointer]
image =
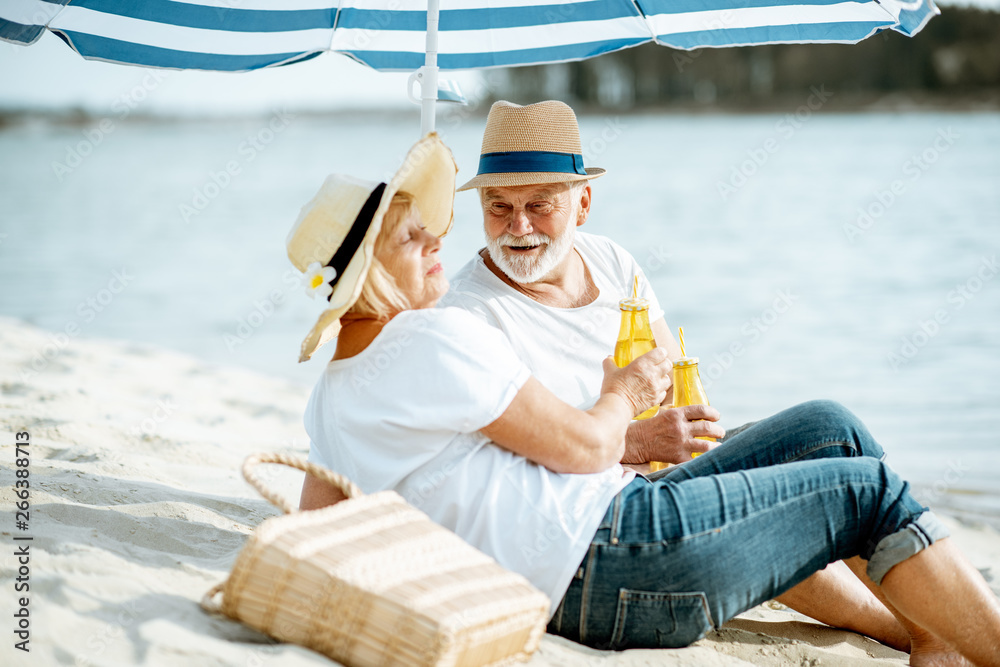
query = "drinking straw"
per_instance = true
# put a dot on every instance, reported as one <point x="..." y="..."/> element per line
<point x="680" y="332"/>
<point x="635" y="288"/>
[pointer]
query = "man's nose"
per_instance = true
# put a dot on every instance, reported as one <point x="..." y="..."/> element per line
<point x="520" y="224"/>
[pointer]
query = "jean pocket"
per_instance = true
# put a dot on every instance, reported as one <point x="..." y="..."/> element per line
<point x="646" y="619"/>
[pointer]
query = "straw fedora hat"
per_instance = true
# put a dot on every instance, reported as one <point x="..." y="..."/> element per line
<point x="333" y="240"/>
<point x="526" y="145"/>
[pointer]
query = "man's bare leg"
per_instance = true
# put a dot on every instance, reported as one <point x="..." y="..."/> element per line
<point x="835" y="597"/>
<point x="925" y="646"/>
<point x="966" y="613"/>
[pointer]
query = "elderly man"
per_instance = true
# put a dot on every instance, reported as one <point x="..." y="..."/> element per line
<point x="554" y="292"/>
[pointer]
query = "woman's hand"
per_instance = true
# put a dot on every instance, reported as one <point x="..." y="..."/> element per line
<point x="643" y="383"/>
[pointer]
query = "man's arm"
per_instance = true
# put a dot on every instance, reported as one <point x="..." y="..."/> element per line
<point x="663" y="337"/>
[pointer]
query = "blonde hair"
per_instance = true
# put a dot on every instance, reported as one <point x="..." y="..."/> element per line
<point x="381" y="297"/>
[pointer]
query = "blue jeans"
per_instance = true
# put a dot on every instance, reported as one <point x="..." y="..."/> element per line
<point x="682" y="553"/>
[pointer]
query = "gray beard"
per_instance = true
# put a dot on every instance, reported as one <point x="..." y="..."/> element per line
<point x="526" y="270"/>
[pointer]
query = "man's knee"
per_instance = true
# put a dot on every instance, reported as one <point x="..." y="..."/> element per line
<point x="853" y="431"/>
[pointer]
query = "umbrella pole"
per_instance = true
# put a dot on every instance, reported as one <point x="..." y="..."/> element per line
<point x="429" y="80"/>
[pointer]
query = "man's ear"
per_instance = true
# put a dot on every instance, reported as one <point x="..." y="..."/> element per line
<point x="584" y="205"/>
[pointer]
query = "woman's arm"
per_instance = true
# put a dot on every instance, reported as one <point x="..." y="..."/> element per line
<point x="544" y="429"/>
<point x="316" y="494"/>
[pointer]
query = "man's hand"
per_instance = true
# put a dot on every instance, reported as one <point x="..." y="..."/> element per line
<point x="670" y="435"/>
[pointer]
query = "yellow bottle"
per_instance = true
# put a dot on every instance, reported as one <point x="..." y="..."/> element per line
<point x="635" y="338"/>
<point x="688" y="389"/>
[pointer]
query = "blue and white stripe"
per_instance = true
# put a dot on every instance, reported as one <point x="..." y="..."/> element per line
<point x="691" y="24"/>
<point x="388" y="35"/>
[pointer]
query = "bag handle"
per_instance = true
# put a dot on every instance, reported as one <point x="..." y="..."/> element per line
<point x="346" y="486"/>
<point x="210" y="605"/>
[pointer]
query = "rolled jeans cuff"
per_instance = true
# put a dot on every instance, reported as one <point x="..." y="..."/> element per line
<point x="922" y="532"/>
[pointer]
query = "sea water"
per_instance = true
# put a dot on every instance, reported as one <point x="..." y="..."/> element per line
<point x="807" y="255"/>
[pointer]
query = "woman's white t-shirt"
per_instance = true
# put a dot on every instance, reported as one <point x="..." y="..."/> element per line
<point x="404" y="414"/>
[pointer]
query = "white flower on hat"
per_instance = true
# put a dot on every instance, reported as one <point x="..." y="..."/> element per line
<point x="317" y="280"/>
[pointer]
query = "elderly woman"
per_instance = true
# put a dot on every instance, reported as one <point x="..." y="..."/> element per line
<point x="434" y="404"/>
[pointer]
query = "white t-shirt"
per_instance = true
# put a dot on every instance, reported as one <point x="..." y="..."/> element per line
<point x="404" y="414"/>
<point x="563" y="347"/>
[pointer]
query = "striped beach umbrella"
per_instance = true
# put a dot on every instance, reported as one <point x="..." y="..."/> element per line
<point x="423" y="36"/>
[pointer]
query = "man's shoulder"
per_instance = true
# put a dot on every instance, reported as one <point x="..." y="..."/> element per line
<point x="607" y="260"/>
<point x="469" y="269"/>
<point x="600" y="244"/>
<point x="473" y="283"/>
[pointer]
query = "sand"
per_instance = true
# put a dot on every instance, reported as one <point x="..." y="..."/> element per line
<point x="137" y="508"/>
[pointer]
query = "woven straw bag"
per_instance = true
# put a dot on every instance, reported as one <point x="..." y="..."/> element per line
<point x="373" y="581"/>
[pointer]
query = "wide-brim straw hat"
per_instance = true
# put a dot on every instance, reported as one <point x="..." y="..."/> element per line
<point x="528" y="145"/>
<point x="338" y="228"/>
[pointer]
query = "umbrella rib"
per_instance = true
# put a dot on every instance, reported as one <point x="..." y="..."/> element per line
<point x="645" y="19"/>
<point x="336" y="22"/>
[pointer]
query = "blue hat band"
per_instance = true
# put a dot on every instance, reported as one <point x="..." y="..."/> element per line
<point x="531" y="161"/>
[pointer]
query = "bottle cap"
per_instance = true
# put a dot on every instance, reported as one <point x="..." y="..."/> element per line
<point x="685" y="361"/>
<point x="634" y="304"/>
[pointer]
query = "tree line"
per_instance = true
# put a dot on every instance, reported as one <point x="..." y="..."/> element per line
<point x="955" y="58"/>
